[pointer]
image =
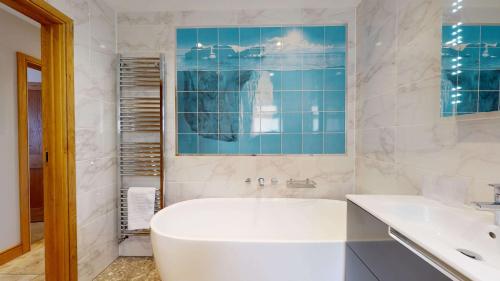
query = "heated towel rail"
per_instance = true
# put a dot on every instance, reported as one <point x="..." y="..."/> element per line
<point x="141" y="130"/>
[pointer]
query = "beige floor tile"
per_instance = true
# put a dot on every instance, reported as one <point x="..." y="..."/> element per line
<point x="130" y="268"/>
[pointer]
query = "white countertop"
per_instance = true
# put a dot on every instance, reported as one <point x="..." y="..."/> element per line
<point x="441" y="229"/>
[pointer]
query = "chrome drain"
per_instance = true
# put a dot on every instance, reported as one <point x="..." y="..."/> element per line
<point x="470" y="254"/>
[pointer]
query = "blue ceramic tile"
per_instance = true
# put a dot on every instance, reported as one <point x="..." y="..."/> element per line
<point x="271" y="105"/>
<point x="229" y="102"/>
<point x="250" y="36"/>
<point x="187" y="122"/>
<point x="187" y="143"/>
<point x="229" y="125"/>
<point x="490" y="58"/>
<point x="275" y="80"/>
<point x="470" y="35"/>
<point x="187" y="60"/>
<point x="291" y="80"/>
<point x="334" y="100"/>
<point x="292" y="143"/>
<point x="229" y="36"/>
<point x="208" y="59"/>
<point x="272" y="61"/>
<point x="335" y="143"/>
<point x="468" y="80"/>
<point x="270" y="122"/>
<point x="448" y="80"/>
<point x="291" y="101"/>
<point x="447" y="103"/>
<point x="247" y="101"/>
<point x="313" y="122"/>
<point x="292" y="122"/>
<point x="313" y="62"/>
<point x="447" y="35"/>
<point x="187" y="102"/>
<point x="488" y="101"/>
<point x="208" y="123"/>
<point x="292" y="61"/>
<point x="312" y="79"/>
<point x="250" y="123"/>
<point x="467" y="102"/>
<point x="470" y="58"/>
<point x="290" y="35"/>
<point x="335" y="36"/>
<point x="335" y="58"/>
<point x="187" y="81"/>
<point x="186" y="38"/>
<point x="208" y="36"/>
<point x="314" y="35"/>
<point x="489" y="80"/>
<point x="229" y="146"/>
<point x="334" y="79"/>
<point x="448" y="58"/>
<point x="207" y="81"/>
<point x="271" y="144"/>
<point x="490" y="34"/>
<point x="228" y="59"/>
<point x="312" y="101"/>
<point x="249" y="144"/>
<point x="313" y="143"/>
<point x="208" y="145"/>
<point x="272" y="36"/>
<point x="229" y="81"/>
<point x="208" y="102"/>
<point x="334" y="122"/>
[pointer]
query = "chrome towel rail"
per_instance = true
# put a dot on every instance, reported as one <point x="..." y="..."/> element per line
<point x="140" y="111"/>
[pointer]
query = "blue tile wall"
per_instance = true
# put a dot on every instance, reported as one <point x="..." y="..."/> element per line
<point x="264" y="90"/>
<point x="470" y="79"/>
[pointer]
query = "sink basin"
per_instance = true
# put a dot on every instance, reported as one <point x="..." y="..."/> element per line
<point x="442" y="230"/>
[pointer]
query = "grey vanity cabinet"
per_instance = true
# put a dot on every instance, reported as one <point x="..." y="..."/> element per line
<point x="372" y="255"/>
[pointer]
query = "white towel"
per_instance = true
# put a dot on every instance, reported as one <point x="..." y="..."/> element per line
<point x="141" y="206"/>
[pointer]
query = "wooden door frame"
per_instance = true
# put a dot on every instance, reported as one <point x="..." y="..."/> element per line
<point x="58" y="136"/>
<point x="23" y="62"/>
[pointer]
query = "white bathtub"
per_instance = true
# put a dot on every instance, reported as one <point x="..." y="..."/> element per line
<point x="251" y="240"/>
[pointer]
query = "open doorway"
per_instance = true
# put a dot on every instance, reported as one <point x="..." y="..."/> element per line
<point x="35" y="135"/>
<point x="37" y="206"/>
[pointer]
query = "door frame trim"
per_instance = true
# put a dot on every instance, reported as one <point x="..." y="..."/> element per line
<point x="23" y="62"/>
<point x="58" y="136"/>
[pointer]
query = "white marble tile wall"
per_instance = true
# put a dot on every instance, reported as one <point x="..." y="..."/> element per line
<point x="190" y="177"/>
<point x="402" y="142"/>
<point x="95" y="52"/>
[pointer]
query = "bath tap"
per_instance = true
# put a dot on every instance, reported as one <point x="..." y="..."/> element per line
<point x="492" y="206"/>
<point x="261" y="181"/>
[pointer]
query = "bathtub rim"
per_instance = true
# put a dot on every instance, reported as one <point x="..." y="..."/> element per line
<point x="246" y="241"/>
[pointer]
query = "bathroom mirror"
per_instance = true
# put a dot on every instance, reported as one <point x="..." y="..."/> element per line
<point x="470" y="62"/>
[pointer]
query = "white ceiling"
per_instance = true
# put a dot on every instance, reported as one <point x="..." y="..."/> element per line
<point x="179" y="5"/>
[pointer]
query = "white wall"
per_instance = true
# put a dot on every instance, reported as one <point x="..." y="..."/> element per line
<point x="189" y="177"/>
<point x="94" y="47"/>
<point x="401" y="139"/>
<point x="17" y="36"/>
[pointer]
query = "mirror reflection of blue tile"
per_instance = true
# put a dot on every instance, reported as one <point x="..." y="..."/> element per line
<point x="261" y="90"/>
<point x="470" y="78"/>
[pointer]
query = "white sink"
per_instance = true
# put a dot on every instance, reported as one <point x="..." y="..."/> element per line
<point x="441" y="230"/>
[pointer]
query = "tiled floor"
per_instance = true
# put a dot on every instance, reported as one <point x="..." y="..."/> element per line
<point x="29" y="266"/>
<point x="130" y="268"/>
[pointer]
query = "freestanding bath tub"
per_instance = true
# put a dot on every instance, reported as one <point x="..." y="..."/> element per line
<point x="250" y="240"/>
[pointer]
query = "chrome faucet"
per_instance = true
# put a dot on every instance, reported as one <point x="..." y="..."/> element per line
<point x="261" y="181"/>
<point x="492" y="206"/>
